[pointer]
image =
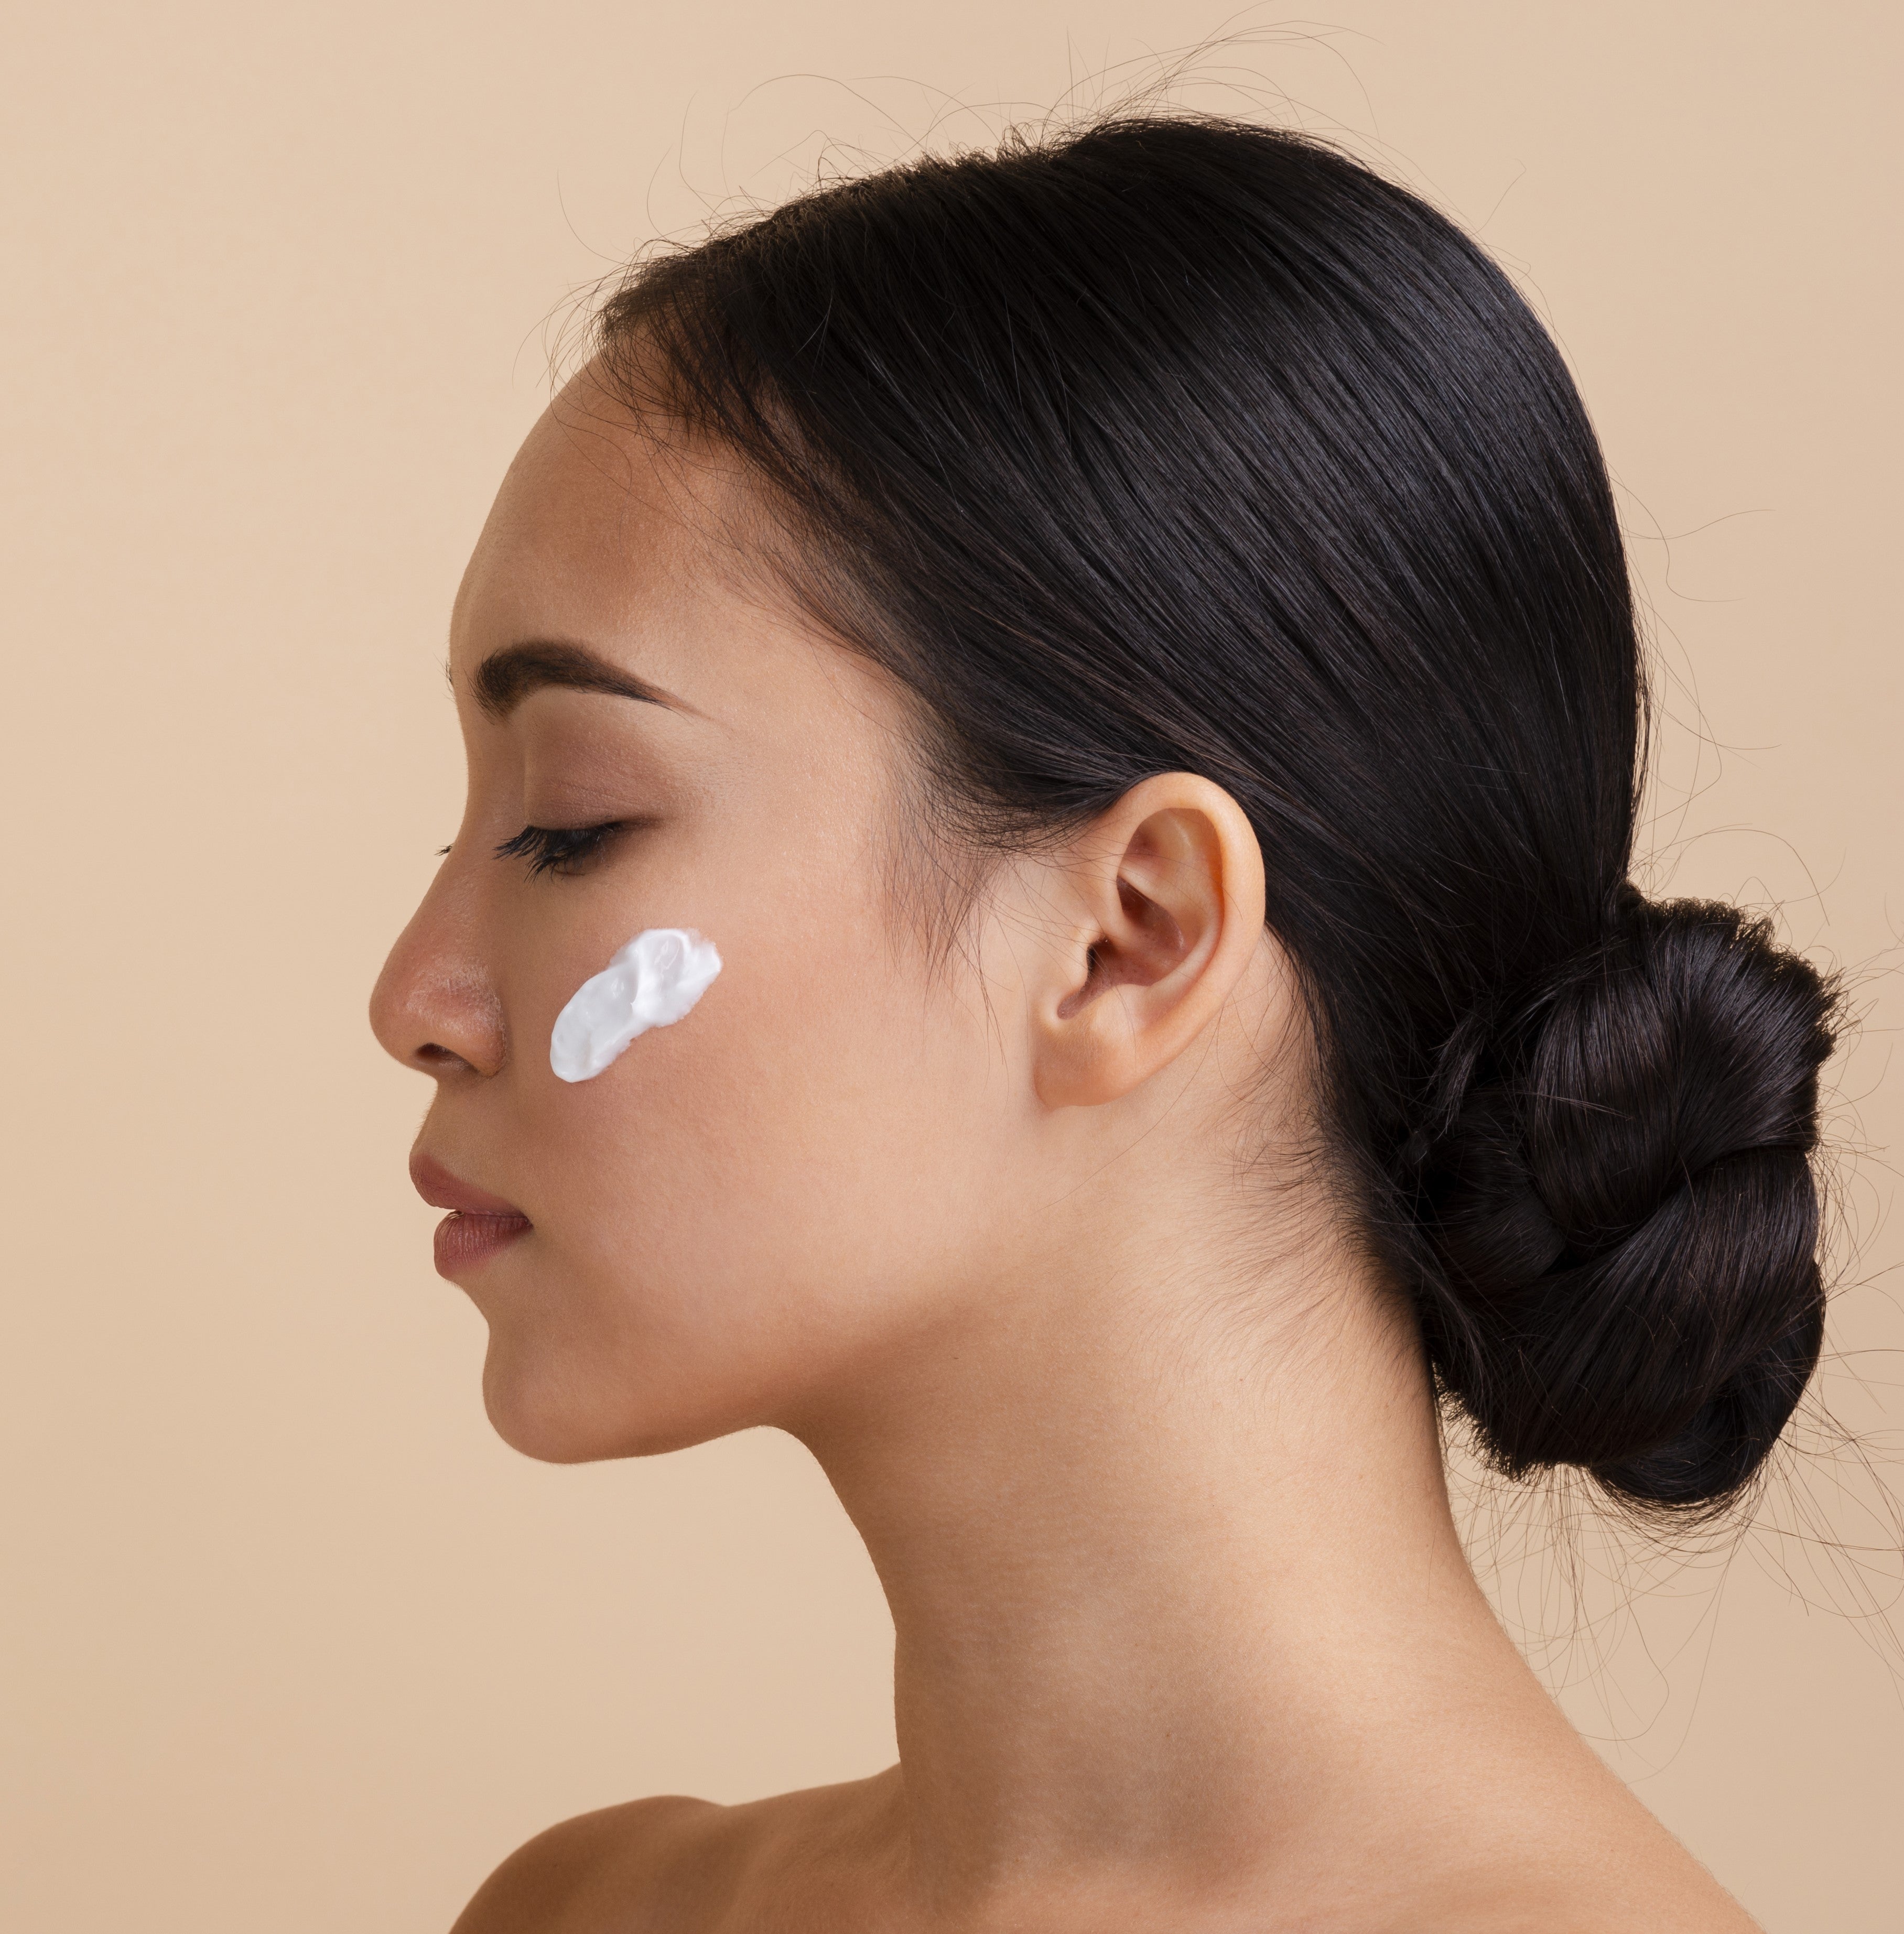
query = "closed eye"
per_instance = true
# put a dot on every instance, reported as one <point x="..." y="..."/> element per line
<point x="562" y="849"/>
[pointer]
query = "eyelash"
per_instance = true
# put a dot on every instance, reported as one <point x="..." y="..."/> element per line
<point x="560" y="849"/>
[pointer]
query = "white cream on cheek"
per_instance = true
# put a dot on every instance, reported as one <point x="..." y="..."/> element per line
<point x="651" y="983"/>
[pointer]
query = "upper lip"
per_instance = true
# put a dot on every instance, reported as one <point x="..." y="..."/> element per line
<point x="442" y="1190"/>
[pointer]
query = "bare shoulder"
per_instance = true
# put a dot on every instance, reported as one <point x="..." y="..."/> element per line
<point x="1583" y="1900"/>
<point x="670" y="1863"/>
<point x="1590" y="1897"/>
<point x="1603" y="1870"/>
<point x="574" y="1876"/>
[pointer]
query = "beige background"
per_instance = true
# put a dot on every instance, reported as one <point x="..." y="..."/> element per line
<point x="291" y="1642"/>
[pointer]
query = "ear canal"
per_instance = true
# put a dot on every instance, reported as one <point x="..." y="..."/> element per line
<point x="1092" y="986"/>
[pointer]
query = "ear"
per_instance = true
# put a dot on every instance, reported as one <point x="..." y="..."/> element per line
<point x="1160" y="913"/>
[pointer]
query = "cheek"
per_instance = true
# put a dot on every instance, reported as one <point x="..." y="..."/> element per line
<point x="748" y="1199"/>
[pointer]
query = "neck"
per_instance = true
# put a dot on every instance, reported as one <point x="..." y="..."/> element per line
<point x="1160" y="1587"/>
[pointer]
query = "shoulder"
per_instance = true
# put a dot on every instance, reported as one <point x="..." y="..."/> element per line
<point x="591" y="1871"/>
<point x="676" y="1866"/>
<point x="1520" y="1834"/>
<point x="1605" y="1876"/>
<point x="1586" y="1897"/>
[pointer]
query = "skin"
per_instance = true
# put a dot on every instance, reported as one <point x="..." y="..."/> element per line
<point x="1024" y="1238"/>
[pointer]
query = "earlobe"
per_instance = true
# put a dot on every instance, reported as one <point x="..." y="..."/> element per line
<point x="1166" y="895"/>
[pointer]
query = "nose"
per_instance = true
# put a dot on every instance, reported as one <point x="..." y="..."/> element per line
<point x="434" y="1007"/>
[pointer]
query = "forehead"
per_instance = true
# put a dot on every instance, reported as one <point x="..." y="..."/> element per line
<point x="644" y="547"/>
<point x="605" y="527"/>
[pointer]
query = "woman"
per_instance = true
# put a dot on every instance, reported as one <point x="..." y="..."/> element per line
<point x="1090" y="696"/>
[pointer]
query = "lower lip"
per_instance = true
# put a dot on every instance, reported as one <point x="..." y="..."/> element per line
<point x="465" y="1238"/>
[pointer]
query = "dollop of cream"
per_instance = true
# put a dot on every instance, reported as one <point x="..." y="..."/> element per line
<point x="651" y="983"/>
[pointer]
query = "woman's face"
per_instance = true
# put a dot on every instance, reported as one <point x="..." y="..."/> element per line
<point x="749" y="1206"/>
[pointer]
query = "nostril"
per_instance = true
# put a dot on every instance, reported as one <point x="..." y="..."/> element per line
<point x="435" y="1008"/>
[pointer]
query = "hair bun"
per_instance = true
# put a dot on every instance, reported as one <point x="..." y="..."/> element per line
<point x="1625" y="1214"/>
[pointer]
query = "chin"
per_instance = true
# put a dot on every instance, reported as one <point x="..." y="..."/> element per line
<point x="547" y="1412"/>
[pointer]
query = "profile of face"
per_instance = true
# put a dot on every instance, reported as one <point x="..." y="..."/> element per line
<point x="834" y="1166"/>
<point x="851" y="1009"/>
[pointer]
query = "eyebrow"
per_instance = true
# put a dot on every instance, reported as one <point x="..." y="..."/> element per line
<point x="507" y="677"/>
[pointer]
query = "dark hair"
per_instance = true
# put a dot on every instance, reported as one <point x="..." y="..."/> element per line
<point x="1176" y="444"/>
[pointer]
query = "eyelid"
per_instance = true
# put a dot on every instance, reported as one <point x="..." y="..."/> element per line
<point x="562" y="849"/>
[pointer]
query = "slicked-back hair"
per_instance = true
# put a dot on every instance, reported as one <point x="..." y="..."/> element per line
<point x="1182" y="444"/>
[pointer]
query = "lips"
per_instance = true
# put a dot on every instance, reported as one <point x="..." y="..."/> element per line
<point x="479" y="1224"/>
